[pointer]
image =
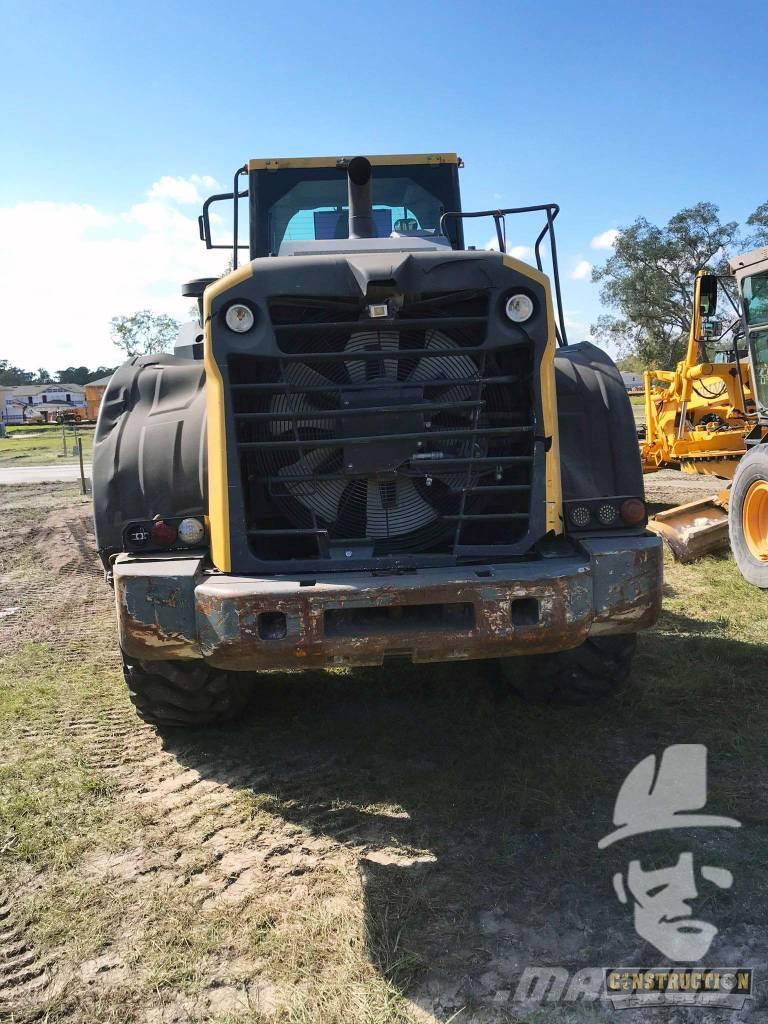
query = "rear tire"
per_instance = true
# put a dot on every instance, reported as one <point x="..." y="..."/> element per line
<point x="596" y="669"/>
<point x="185" y="693"/>
<point x="748" y="516"/>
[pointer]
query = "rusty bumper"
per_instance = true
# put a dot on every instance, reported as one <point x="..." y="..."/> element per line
<point x="171" y="607"/>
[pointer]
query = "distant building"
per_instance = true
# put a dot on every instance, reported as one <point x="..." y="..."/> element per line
<point x="632" y="381"/>
<point x="20" y="403"/>
<point x="94" y="392"/>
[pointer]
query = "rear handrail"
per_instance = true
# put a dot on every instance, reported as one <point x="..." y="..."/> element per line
<point x="204" y="220"/>
<point x="551" y="210"/>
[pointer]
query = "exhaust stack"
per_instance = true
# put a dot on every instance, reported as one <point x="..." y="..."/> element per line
<point x="361" y="223"/>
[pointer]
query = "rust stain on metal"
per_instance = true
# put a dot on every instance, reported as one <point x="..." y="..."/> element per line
<point x="565" y="618"/>
<point x="148" y="640"/>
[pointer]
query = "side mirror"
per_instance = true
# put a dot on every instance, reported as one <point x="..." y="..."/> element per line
<point x="707" y="295"/>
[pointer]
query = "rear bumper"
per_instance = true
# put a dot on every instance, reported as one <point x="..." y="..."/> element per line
<point x="175" y="608"/>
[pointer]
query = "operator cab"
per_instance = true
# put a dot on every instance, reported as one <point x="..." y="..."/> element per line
<point x="301" y="205"/>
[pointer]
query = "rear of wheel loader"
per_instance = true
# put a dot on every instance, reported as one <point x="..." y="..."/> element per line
<point x="381" y="447"/>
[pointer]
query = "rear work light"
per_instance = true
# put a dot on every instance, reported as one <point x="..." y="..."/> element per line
<point x="165" y="533"/>
<point x="596" y="514"/>
<point x="191" y="532"/>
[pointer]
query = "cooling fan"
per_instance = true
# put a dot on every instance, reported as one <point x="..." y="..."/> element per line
<point x="368" y="489"/>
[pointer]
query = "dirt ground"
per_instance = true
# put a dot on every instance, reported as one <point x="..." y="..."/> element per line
<point x="377" y="846"/>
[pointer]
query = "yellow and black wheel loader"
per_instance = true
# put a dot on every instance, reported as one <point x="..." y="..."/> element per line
<point x="377" y="445"/>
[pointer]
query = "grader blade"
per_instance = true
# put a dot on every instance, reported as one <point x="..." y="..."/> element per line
<point x="693" y="529"/>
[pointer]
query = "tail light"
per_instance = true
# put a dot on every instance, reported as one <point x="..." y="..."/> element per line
<point x="163" y="533"/>
<point x="598" y="514"/>
<point x="166" y="533"/>
<point x="633" y="511"/>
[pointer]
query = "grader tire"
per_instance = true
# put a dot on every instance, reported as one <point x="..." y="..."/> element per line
<point x="748" y="516"/>
<point x="185" y="693"/>
<point x="584" y="675"/>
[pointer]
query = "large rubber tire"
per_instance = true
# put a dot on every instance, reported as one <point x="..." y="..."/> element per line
<point x="751" y="473"/>
<point x="185" y="693"/>
<point x="591" y="672"/>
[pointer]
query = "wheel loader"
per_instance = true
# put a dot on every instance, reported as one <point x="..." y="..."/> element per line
<point x="376" y="447"/>
<point x="748" y="507"/>
<point x="696" y="420"/>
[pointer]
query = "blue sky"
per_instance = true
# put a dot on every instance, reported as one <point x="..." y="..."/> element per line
<point x="610" y="109"/>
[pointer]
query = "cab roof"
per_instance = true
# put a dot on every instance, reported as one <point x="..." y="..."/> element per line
<point x="404" y="159"/>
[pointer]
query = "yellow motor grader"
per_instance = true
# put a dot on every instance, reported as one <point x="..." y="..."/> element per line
<point x="696" y="420"/>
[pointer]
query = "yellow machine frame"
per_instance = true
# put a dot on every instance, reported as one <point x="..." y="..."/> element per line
<point x="677" y="400"/>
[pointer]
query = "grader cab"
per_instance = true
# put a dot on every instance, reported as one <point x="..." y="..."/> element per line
<point x="748" y="509"/>
<point x="377" y="446"/>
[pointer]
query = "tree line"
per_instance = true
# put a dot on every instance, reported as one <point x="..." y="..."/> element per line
<point x="11" y="375"/>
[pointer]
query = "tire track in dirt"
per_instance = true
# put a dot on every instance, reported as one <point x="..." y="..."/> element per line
<point x="202" y="827"/>
<point x="23" y="975"/>
<point x="53" y="580"/>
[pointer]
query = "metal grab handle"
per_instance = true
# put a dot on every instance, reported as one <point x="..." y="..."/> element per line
<point x="204" y="223"/>
<point x="551" y="210"/>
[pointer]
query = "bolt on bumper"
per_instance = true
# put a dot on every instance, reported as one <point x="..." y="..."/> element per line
<point x="174" y="607"/>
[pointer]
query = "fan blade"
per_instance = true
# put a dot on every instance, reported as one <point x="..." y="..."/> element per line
<point x="302" y="376"/>
<point x="359" y="370"/>
<point x="451" y="367"/>
<point x="458" y="393"/>
<point x="410" y="511"/>
<point x="295" y="405"/>
<point x="318" y="496"/>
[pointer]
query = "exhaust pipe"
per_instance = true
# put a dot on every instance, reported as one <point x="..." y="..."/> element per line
<point x="361" y="223"/>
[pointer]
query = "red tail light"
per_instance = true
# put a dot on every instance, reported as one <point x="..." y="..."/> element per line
<point x="163" y="533"/>
<point x="633" y="511"/>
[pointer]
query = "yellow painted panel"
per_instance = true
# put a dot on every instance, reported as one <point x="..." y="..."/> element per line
<point x="218" y="495"/>
<point x="548" y="400"/>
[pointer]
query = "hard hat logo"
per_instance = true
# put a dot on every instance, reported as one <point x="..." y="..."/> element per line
<point x="651" y="800"/>
<point x="670" y="794"/>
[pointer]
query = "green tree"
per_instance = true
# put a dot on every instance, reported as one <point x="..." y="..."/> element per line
<point x="649" y="278"/>
<point x="144" y="332"/>
<point x="99" y="372"/>
<point x="42" y="376"/>
<point x="758" y="221"/>
<point x="10" y="375"/>
<point x="73" y="375"/>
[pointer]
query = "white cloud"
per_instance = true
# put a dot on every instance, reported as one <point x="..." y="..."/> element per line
<point x="582" y="271"/>
<point x="93" y="264"/>
<point x="520" y="252"/>
<point x="605" y="240"/>
<point x="182" y="190"/>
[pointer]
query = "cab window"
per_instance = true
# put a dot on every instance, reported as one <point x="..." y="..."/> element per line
<point x="755" y="295"/>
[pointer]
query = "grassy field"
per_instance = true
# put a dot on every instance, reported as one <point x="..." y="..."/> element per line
<point x="382" y="847"/>
<point x="42" y="445"/>
<point x="638" y="408"/>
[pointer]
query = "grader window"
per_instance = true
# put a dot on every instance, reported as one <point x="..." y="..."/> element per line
<point x="755" y="289"/>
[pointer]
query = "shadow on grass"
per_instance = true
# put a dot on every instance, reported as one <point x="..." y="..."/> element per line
<point x="503" y="801"/>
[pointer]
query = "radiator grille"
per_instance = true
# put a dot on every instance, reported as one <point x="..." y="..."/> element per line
<point x="371" y="437"/>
